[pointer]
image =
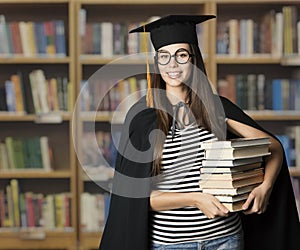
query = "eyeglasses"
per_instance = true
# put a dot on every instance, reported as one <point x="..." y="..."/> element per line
<point x="181" y="56"/>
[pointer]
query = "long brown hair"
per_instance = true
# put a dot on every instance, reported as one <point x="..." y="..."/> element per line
<point x="164" y="119"/>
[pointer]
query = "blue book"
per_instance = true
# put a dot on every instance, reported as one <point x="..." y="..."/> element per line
<point x="41" y="39"/>
<point x="60" y="39"/>
<point x="9" y="39"/>
<point x="277" y="103"/>
<point x="10" y="96"/>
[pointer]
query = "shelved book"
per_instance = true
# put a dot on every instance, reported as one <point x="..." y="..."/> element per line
<point x="231" y="169"/>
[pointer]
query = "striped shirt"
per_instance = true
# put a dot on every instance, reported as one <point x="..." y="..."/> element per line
<point x="181" y="163"/>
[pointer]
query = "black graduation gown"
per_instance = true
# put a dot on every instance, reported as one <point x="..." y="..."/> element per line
<point x="127" y="224"/>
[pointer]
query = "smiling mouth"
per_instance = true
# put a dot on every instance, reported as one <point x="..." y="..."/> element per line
<point x="174" y="74"/>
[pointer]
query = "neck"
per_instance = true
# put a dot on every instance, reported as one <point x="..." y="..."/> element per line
<point x="176" y="95"/>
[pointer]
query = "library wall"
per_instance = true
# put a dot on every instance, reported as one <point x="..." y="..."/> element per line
<point x="49" y="51"/>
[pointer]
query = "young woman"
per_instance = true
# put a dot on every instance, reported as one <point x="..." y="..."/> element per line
<point x="169" y="211"/>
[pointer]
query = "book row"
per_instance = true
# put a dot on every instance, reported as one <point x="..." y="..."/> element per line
<point x="256" y="92"/>
<point x="99" y="148"/>
<point x="94" y="211"/>
<point x="26" y="210"/>
<point x="37" y="94"/>
<point x="112" y="38"/>
<point x="26" y="153"/>
<point x="276" y="33"/>
<point x="32" y="38"/>
<point x="111" y="95"/>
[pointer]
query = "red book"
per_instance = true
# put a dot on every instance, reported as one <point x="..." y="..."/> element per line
<point x="67" y="207"/>
<point x="29" y="209"/>
<point x="2" y="208"/>
<point x="16" y="37"/>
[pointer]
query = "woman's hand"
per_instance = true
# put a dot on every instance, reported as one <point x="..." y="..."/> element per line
<point x="258" y="200"/>
<point x="210" y="205"/>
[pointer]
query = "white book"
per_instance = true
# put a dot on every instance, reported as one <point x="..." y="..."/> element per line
<point x="229" y="169"/>
<point x="24" y="38"/>
<point x="4" y="46"/>
<point x="232" y="198"/>
<point x="49" y="212"/>
<point x="234" y="143"/>
<point x="233" y="37"/>
<point x="278" y="34"/>
<point x="250" y="37"/>
<point x="236" y="153"/>
<point x="231" y="162"/>
<point x="45" y="153"/>
<point x="229" y="191"/>
<point x="107" y="39"/>
<point x="82" y="22"/>
<point x="231" y="176"/>
<point x="40" y="83"/>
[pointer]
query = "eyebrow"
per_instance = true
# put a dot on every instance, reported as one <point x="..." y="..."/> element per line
<point x="180" y="49"/>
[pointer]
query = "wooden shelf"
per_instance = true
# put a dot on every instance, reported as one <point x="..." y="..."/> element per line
<point x="256" y="1"/>
<point x="294" y="171"/>
<point x="37" y="239"/>
<point x="254" y="59"/>
<point x="10" y="116"/>
<point x="90" y="240"/>
<point x="117" y="59"/>
<point x="142" y="2"/>
<point x="103" y="116"/>
<point x="270" y="115"/>
<point x="33" y="1"/>
<point x="291" y="60"/>
<point x="34" y="174"/>
<point x="33" y="60"/>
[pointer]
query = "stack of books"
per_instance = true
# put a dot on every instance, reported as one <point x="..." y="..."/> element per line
<point x="231" y="169"/>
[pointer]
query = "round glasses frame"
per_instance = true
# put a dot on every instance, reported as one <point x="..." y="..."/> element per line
<point x="181" y="56"/>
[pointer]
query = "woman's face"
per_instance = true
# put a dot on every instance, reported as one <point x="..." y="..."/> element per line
<point x="175" y="72"/>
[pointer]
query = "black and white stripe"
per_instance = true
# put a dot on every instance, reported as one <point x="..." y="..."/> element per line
<point x="181" y="162"/>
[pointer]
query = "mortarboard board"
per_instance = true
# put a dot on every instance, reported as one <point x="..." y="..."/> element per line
<point x="173" y="29"/>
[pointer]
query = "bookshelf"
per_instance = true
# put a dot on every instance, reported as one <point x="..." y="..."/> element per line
<point x="27" y="124"/>
<point x="76" y="66"/>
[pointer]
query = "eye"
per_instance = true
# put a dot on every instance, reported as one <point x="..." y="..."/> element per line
<point x="182" y="54"/>
<point x="163" y="55"/>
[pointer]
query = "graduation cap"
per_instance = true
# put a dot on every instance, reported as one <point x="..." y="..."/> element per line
<point x="173" y="29"/>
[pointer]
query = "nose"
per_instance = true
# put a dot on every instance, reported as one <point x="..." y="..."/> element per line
<point x="173" y="62"/>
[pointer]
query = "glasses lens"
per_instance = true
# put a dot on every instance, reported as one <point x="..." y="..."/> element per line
<point x="163" y="58"/>
<point x="182" y="56"/>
